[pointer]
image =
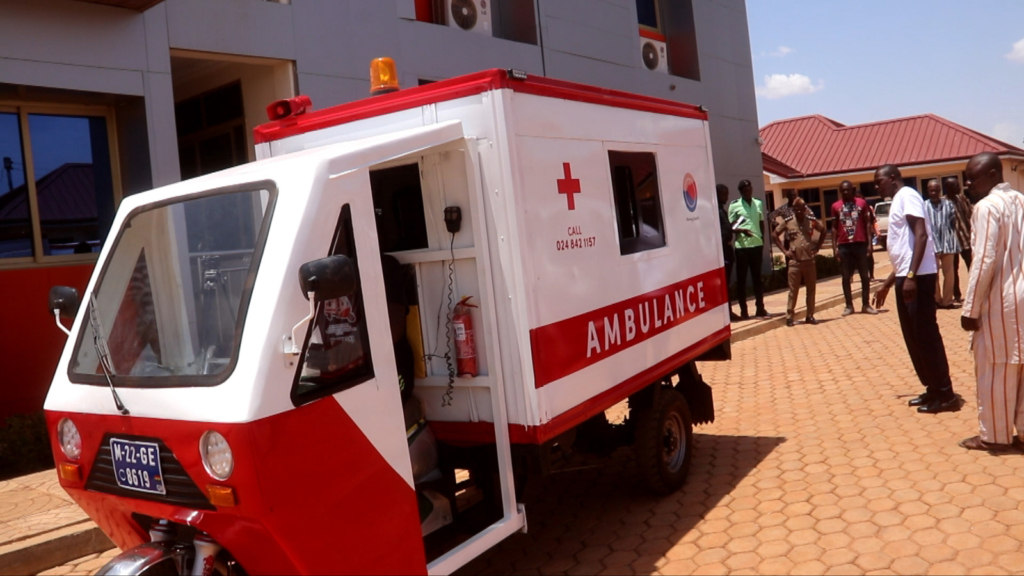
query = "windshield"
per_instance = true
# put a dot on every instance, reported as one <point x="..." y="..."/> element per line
<point x="173" y="293"/>
<point x="882" y="209"/>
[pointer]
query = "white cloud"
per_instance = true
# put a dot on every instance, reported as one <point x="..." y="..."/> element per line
<point x="1007" y="132"/>
<point x="780" y="52"/>
<point x="782" y="85"/>
<point x="1017" y="54"/>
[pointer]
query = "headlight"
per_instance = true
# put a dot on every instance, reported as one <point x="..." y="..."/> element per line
<point x="69" y="439"/>
<point x="216" y="455"/>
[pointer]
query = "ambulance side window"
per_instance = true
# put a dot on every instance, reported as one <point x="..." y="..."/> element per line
<point x="336" y="352"/>
<point x="637" y="201"/>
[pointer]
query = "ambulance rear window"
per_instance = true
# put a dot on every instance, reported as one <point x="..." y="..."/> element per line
<point x="637" y="201"/>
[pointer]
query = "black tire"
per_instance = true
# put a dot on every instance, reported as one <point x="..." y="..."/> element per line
<point x="664" y="443"/>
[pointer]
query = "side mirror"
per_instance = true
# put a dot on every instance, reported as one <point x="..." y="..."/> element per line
<point x="65" y="300"/>
<point x="328" y="278"/>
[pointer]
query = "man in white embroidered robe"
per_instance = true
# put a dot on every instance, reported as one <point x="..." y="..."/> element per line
<point x="994" y="305"/>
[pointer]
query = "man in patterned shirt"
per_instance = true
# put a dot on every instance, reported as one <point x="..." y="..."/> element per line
<point x="851" y="222"/>
<point x="951" y="188"/>
<point x="942" y="214"/>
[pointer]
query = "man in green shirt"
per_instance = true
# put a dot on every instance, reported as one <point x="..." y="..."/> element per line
<point x="747" y="217"/>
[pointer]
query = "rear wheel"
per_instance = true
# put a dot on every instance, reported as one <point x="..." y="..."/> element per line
<point x="664" y="442"/>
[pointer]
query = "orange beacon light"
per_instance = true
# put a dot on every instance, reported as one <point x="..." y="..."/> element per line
<point x="383" y="76"/>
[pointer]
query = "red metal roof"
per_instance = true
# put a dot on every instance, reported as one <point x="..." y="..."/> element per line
<point x="778" y="168"/>
<point x="67" y="194"/>
<point x="816" y="145"/>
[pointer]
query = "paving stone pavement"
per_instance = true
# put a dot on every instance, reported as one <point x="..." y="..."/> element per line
<point x="35" y="504"/>
<point x="815" y="465"/>
<point x="85" y="566"/>
<point x="828" y="290"/>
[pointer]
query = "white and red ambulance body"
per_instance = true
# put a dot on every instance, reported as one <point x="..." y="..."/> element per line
<point x="586" y="234"/>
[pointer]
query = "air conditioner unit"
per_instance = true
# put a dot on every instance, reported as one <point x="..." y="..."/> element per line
<point x="654" y="54"/>
<point x="469" y="15"/>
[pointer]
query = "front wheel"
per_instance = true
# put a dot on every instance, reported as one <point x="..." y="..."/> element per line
<point x="161" y="559"/>
<point x="664" y="442"/>
<point x="150" y="559"/>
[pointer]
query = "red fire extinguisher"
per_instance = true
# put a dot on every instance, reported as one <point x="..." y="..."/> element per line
<point x="465" y="343"/>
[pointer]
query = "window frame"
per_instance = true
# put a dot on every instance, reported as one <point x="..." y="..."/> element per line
<point x="628" y="246"/>
<point x="23" y="110"/>
<point x="660" y="29"/>
<point x="369" y="371"/>
<point x="206" y="132"/>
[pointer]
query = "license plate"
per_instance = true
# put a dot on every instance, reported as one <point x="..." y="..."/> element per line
<point x="137" y="466"/>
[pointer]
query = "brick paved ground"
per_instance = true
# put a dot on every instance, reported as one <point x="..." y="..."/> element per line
<point x="35" y="504"/>
<point x="814" y="465"/>
<point x="83" y="566"/>
<point x="829" y="290"/>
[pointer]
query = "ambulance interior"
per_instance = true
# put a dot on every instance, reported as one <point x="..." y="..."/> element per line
<point x="427" y="240"/>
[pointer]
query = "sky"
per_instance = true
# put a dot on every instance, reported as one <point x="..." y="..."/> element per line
<point x="870" y="60"/>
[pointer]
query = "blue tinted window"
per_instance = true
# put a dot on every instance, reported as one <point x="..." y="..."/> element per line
<point x="74" y="184"/>
<point x="647" y="13"/>
<point x="15" y="218"/>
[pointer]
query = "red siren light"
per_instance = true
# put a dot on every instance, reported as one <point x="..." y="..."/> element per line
<point x="282" y="109"/>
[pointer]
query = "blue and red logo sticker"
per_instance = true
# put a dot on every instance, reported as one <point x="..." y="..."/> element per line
<point x="690" y="192"/>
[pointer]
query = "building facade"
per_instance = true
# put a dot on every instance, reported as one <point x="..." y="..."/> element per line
<point x="102" y="99"/>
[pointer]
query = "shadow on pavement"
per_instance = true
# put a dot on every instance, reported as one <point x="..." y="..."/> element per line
<point x="590" y="520"/>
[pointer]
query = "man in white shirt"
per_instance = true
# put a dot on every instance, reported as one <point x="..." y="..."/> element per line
<point x="994" y="305"/>
<point x="914" y="274"/>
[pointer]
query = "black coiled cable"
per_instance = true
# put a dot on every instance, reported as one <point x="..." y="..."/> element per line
<point x="446" y="400"/>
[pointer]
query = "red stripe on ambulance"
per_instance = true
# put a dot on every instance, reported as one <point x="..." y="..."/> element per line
<point x="568" y="346"/>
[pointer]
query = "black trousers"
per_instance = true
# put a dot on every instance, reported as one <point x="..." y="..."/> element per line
<point x="729" y="255"/>
<point x="854" y="256"/>
<point x="748" y="260"/>
<point x="966" y="255"/>
<point x="922" y="336"/>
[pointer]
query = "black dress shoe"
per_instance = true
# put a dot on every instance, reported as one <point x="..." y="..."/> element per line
<point x="762" y="313"/>
<point x="789" y="322"/>
<point x="948" y="404"/>
<point x="744" y="315"/>
<point x="812" y="321"/>
<point x="733" y="317"/>
<point x="920" y="400"/>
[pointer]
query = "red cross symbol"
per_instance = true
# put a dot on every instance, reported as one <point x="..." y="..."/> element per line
<point x="569" y="186"/>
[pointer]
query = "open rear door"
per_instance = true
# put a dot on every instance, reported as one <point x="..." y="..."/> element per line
<point x="355" y="336"/>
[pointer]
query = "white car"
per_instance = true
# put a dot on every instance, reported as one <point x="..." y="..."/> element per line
<point x="882" y="216"/>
